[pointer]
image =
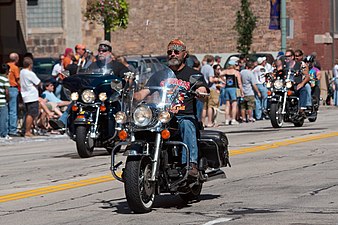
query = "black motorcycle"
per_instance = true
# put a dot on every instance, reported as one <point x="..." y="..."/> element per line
<point x="151" y="143"/>
<point x="284" y="103"/>
<point x="91" y="121"/>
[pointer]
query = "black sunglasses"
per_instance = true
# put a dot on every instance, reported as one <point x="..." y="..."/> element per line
<point x="176" y="52"/>
<point x="102" y="50"/>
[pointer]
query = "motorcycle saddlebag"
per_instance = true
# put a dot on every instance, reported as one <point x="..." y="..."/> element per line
<point x="213" y="146"/>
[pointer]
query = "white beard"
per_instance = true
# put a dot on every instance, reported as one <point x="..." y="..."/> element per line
<point x="174" y="62"/>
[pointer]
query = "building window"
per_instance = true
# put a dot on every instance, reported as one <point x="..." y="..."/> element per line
<point x="47" y="13"/>
<point x="289" y="28"/>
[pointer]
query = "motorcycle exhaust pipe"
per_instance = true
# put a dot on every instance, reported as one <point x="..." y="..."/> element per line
<point x="215" y="174"/>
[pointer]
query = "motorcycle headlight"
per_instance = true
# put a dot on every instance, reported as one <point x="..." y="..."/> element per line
<point x="103" y="96"/>
<point x="142" y="116"/>
<point x="164" y="117"/>
<point x="288" y="84"/>
<point x="268" y="84"/>
<point x="120" y="117"/>
<point x="74" y="96"/>
<point x="88" y="96"/>
<point x="278" y="84"/>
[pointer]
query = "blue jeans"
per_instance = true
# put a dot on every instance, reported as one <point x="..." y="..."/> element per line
<point x="304" y="94"/>
<point x="189" y="137"/>
<point x="4" y="121"/>
<point x="13" y="110"/>
<point x="199" y="109"/>
<point x="261" y="102"/>
<point x="335" y="96"/>
<point x="63" y="118"/>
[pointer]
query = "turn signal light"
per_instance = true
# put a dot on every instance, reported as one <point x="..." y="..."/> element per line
<point x="165" y="134"/>
<point x="290" y="92"/>
<point x="123" y="135"/>
<point x="80" y="117"/>
<point x="75" y="108"/>
<point x="103" y="108"/>
<point x="269" y="92"/>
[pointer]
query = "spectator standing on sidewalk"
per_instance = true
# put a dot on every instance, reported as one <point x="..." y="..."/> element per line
<point x="212" y="101"/>
<point x="14" y="83"/>
<point x="4" y="96"/>
<point x="262" y="100"/>
<point x="30" y="94"/>
<point x="249" y="83"/>
<point x="232" y="80"/>
<point x="335" y="77"/>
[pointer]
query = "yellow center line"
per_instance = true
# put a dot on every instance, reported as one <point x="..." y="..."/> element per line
<point x="281" y="143"/>
<point x="106" y="178"/>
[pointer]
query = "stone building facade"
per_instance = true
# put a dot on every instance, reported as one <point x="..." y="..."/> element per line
<point x="205" y="26"/>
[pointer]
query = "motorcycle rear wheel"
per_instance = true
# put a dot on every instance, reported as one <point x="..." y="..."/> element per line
<point x="139" y="190"/>
<point x="193" y="194"/>
<point x="276" y="116"/>
<point x="84" y="145"/>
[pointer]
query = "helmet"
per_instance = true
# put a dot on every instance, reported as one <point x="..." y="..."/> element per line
<point x="309" y="59"/>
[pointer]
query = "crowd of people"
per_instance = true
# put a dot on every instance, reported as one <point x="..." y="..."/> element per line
<point x="41" y="102"/>
<point x="238" y="91"/>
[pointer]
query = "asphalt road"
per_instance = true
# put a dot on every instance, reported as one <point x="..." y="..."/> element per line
<point x="278" y="176"/>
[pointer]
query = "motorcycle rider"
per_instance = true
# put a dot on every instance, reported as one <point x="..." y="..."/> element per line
<point x="105" y="63"/>
<point x="186" y="116"/>
<point x="302" y="88"/>
<point x="315" y="76"/>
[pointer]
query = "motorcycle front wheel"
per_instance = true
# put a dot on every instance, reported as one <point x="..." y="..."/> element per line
<point x="84" y="144"/>
<point x="139" y="190"/>
<point x="276" y="116"/>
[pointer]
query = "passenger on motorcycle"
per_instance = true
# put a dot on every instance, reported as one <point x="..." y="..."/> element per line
<point x="314" y="76"/>
<point x="186" y="115"/>
<point x="301" y="79"/>
<point x="104" y="62"/>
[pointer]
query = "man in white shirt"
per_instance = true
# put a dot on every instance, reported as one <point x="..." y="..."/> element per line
<point x="261" y="101"/>
<point x="30" y="95"/>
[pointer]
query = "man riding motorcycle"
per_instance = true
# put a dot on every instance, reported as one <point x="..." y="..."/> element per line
<point x="186" y="113"/>
<point x="105" y="63"/>
<point x="302" y="88"/>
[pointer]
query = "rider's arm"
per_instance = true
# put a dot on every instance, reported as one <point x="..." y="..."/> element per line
<point x="140" y="95"/>
<point x="306" y="77"/>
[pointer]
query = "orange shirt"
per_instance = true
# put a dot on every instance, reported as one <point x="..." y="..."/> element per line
<point x="14" y="75"/>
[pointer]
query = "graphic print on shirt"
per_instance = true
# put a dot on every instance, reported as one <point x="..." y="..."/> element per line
<point x="177" y="85"/>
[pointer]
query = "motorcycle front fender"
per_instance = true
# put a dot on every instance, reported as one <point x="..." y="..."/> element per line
<point x="276" y="98"/>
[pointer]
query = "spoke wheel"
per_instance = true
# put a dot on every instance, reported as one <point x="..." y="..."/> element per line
<point x="139" y="190"/>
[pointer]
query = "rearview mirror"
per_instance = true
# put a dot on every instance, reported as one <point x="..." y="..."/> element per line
<point x="194" y="78"/>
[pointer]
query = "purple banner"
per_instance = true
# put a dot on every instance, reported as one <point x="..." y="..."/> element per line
<point x="274" y="15"/>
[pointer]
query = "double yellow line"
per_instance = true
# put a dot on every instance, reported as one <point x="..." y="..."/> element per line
<point x="106" y="178"/>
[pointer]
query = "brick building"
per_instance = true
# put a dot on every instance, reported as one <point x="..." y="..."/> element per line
<point x="206" y="26"/>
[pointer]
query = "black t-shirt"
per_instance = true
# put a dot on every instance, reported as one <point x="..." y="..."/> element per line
<point x="118" y="68"/>
<point x="189" y="103"/>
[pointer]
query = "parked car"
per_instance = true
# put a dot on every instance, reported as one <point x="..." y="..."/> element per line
<point x="146" y="66"/>
<point x="43" y="67"/>
<point x="252" y="57"/>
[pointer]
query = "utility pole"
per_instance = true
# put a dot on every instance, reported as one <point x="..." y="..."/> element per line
<point x="333" y="28"/>
<point x="283" y="25"/>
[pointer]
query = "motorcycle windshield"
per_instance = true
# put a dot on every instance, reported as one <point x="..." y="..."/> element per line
<point x="97" y="77"/>
<point x="164" y="90"/>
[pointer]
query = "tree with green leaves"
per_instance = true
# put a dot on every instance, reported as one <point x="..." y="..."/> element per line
<point x="112" y="14"/>
<point x="245" y="25"/>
